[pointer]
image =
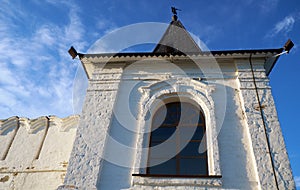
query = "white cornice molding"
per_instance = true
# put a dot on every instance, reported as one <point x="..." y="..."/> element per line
<point x="33" y="125"/>
<point x="7" y="124"/>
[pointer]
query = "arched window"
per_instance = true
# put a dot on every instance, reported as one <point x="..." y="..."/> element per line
<point x="176" y="145"/>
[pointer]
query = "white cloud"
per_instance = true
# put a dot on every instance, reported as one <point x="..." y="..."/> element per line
<point x="297" y="181"/>
<point x="74" y="30"/>
<point x="125" y="37"/>
<point x="45" y="35"/>
<point x="102" y="24"/>
<point x="6" y="76"/>
<point x="8" y="99"/>
<point x="36" y="76"/>
<point x="105" y="25"/>
<point x="284" y="26"/>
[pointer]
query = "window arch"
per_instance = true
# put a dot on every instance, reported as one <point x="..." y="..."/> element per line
<point x="181" y="126"/>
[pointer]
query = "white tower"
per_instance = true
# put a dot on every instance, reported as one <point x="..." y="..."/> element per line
<point x="179" y="118"/>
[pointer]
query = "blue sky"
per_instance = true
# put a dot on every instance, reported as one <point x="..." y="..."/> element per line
<point x="37" y="74"/>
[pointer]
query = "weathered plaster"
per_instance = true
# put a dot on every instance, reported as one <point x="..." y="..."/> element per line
<point x="267" y="160"/>
<point x="35" y="158"/>
<point x="119" y="97"/>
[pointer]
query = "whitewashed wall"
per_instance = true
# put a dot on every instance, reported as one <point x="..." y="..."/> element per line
<point x="112" y="114"/>
<point x="34" y="154"/>
<point x="234" y="143"/>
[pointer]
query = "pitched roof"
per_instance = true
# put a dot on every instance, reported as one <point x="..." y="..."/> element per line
<point x="178" y="43"/>
<point x="176" y="39"/>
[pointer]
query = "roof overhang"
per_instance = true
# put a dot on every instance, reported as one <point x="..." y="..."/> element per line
<point x="268" y="55"/>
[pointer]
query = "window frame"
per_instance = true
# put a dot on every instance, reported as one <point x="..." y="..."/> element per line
<point x="152" y="97"/>
<point x="179" y="157"/>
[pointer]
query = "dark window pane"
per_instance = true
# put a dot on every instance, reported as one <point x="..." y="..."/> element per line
<point x="189" y="115"/>
<point x="162" y="133"/>
<point x="172" y="115"/>
<point x="190" y="132"/>
<point x="168" y="167"/>
<point x="163" y="150"/>
<point x="201" y="119"/>
<point x="193" y="166"/>
<point x="198" y="135"/>
<point x="187" y="133"/>
<point x="192" y="149"/>
<point x="159" y="117"/>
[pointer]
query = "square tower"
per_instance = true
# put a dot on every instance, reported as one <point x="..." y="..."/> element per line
<point x="179" y="117"/>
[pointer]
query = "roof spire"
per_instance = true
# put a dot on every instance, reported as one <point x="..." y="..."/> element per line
<point x="176" y="39"/>
<point x="174" y="11"/>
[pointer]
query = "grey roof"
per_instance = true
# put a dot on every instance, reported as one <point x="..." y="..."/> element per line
<point x="176" y="39"/>
<point x="177" y="42"/>
<point x="267" y="54"/>
<point x="202" y="53"/>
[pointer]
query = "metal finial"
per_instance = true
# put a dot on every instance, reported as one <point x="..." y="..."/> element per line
<point x="174" y="10"/>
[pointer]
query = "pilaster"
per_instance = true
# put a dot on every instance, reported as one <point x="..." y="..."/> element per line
<point x="264" y="129"/>
<point x="86" y="158"/>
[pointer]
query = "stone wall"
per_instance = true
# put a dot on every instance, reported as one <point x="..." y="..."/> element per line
<point x="267" y="143"/>
<point x="109" y="143"/>
<point x="34" y="153"/>
<point x="85" y="162"/>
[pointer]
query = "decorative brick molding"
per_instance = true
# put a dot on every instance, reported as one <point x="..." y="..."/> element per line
<point x="187" y="90"/>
